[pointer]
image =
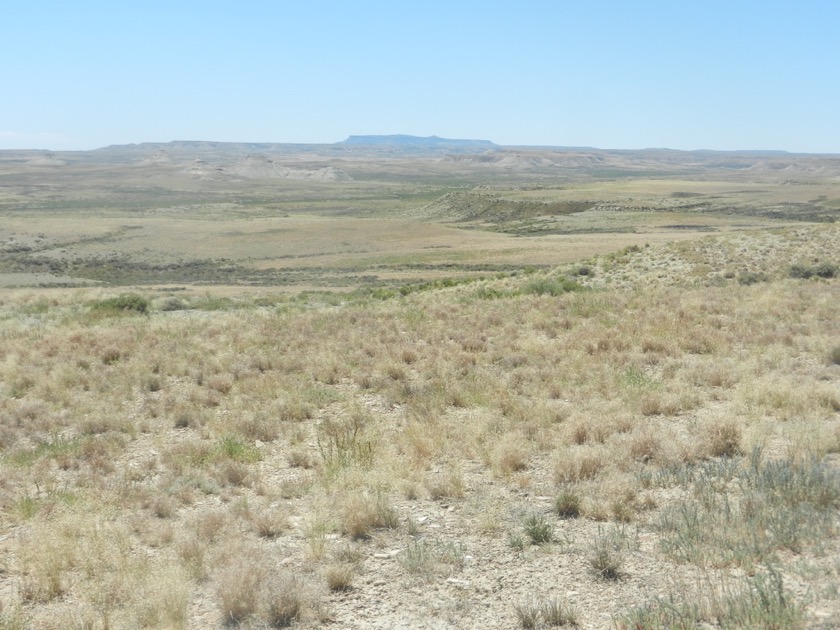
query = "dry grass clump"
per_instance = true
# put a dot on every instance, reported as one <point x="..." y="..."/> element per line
<point x="249" y="588"/>
<point x="164" y="602"/>
<point x="270" y="522"/>
<point x="362" y="512"/>
<point x="258" y="426"/>
<point x="551" y="612"/>
<point x="346" y="442"/>
<point x="193" y="553"/>
<point x="723" y="438"/>
<point x="340" y="577"/>
<point x="581" y="464"/>
<point x="91" y="561"/>
<point x="510" y="456"/>
<point x="645" y="446"/>
<point x="446" y="485"/>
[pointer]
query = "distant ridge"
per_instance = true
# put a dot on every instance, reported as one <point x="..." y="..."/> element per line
<point x="401" y="140"/>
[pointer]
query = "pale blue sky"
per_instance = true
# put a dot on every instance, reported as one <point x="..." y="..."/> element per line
<point x="611" y="74"/>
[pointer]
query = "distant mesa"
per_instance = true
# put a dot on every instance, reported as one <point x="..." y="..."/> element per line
<point x="400" y="140"/>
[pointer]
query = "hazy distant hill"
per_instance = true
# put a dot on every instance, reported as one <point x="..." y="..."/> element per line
<point x="364" y="155"/>
<point x="402" y="140"/>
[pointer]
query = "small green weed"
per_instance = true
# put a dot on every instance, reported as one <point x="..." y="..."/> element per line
<point x="538" y="529"/>
<point x="429" y="558"/>
<point x="234" y="448"/>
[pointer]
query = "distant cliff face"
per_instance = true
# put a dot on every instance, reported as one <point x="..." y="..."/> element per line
<point x="401" y="140"/>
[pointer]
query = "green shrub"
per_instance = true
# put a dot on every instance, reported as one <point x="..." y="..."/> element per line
<point x="489" y="293"/>
<point x="173" y="304"/>
<point x="234" y="448"/>
<point x="567" y="505"/>
<point x="820" y="270"/>
<point x="750" y="277"/>
<point x="551" y="286"/>
<point x="126" y="303"/>
<point x="825" y="270"/>
<point x="799" y="271"/>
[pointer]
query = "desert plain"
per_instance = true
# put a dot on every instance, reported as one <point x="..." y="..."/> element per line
<point x="407" y="383"/>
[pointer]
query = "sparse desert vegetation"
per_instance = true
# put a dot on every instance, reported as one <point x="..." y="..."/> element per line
<point x="632" y="435"/>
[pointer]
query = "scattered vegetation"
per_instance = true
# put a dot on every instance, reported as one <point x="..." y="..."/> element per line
<point x="779" y="505"/>
<point x="761" y="602"/>
<point x="271" y="453"/>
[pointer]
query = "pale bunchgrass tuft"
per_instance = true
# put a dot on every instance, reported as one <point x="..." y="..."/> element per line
<point x="13" y="618"/>
<point x="270" y="522"/>
<point x="527" y="614"/>
<point x="164" y="602"/>
<point x="250" y="589"/>
<point x="340" y="576"/>
<point x="363" y="512"/>
<point x="446" y="486"/>
<point x="551" y="612"/>
<point x="723" y="438"/>
<point x="606" y="553"/>
<point x="284" y="600"/>
<point x="556" y="613"/>
<point x="239" y="588"/>
<point x="574" y="466"/>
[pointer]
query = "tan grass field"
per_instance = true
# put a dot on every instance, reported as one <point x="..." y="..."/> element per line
<point x="598" y="429"/>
